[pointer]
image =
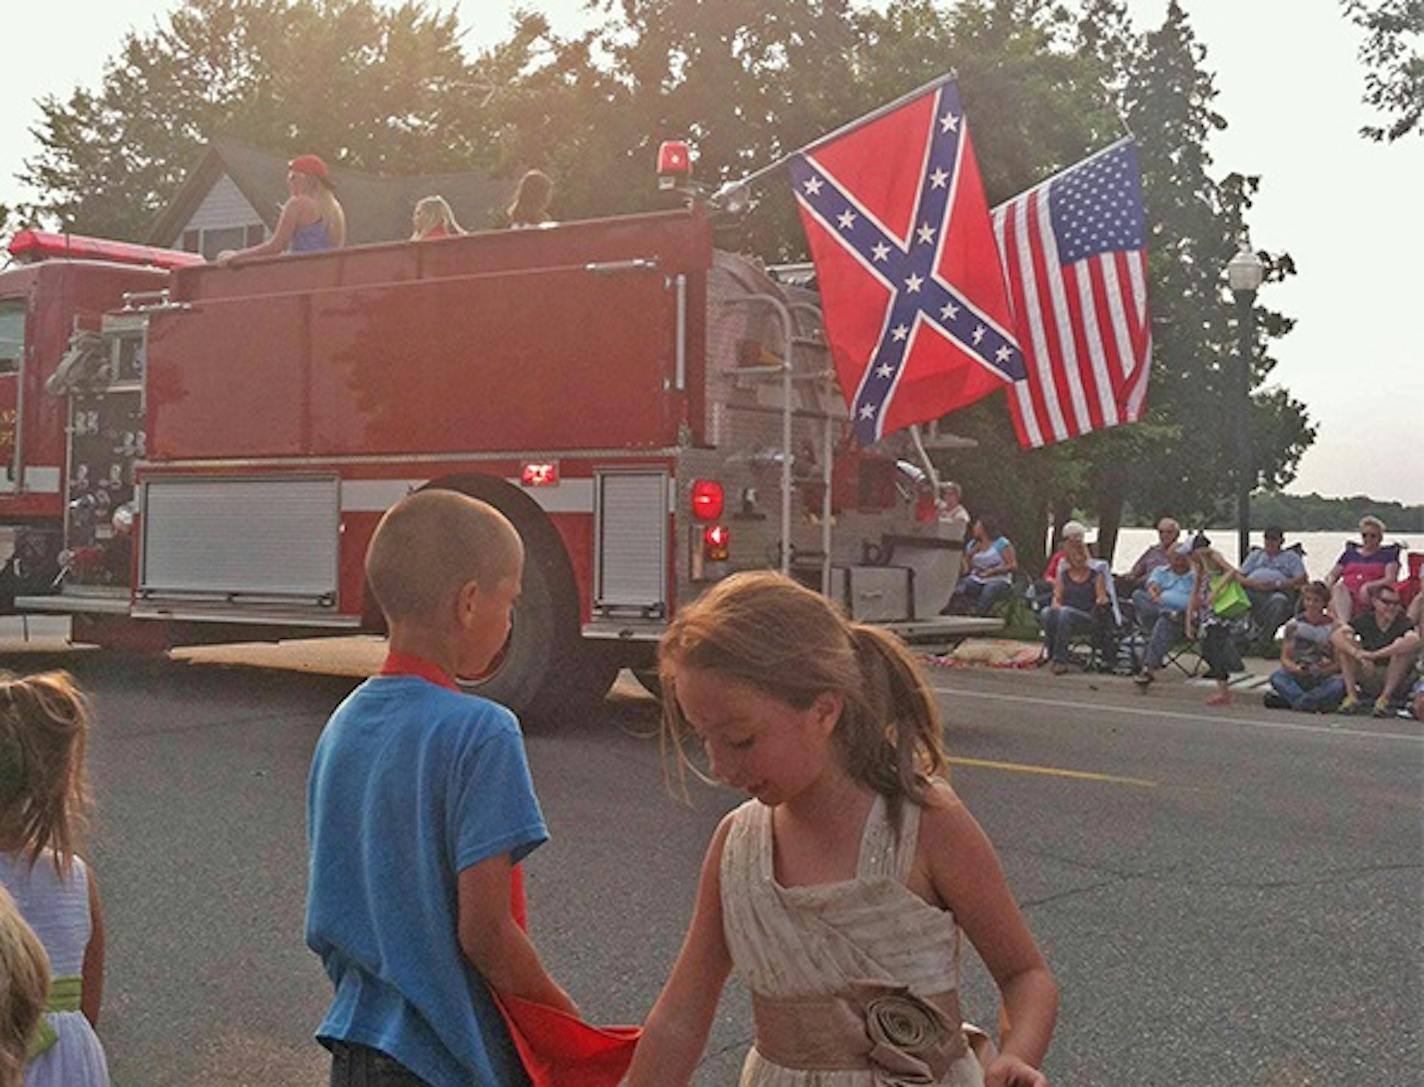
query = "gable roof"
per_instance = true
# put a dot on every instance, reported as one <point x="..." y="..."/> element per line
<point x="377" y="208"/>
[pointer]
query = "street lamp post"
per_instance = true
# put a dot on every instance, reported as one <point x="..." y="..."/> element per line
<point x="1245" y="273"/>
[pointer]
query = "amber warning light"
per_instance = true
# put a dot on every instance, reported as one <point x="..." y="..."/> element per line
<point x="540" y="474"/>
<point x="674" y="164"/>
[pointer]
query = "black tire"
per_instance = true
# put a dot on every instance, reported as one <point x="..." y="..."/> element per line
<point x="546" y="673"/>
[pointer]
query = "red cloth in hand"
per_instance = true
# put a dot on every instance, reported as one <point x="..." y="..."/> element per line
<point x="560" y="1050"/>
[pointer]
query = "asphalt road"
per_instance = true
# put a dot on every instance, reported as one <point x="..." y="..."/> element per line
<point x="1227" y="897"/>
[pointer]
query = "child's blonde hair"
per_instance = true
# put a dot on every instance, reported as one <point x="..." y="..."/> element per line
<point x="430" y="212"/>
<point x="44" y="795"/>
<point x="24" y="987"/>
<point x="430" y="544"/>
<point x="766" y="631"/>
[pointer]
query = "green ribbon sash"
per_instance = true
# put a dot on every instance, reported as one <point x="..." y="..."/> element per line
<point x="64" y="994"/>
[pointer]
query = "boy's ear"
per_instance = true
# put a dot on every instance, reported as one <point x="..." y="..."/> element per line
<point x="467" y="602"/>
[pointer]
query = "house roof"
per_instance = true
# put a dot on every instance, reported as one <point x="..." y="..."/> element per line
<point x="377" y="208"/>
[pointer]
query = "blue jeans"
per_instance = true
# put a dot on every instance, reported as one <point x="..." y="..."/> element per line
<point x="1167" y="628"/>
<point x="984" y="594"/>
<point x="360" y="1066"/>
<point x="1270" y="609"/>
<point x="1308" y="693"/>
<point x="1059" y="623"/>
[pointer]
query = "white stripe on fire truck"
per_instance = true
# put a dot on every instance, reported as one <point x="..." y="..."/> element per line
<point x="379" y="495"/>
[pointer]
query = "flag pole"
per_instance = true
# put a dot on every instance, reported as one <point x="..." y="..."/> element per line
<point x="849" y="126"/>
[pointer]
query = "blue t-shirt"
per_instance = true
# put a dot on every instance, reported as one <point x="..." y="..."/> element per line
<point x="1176" y="588"/>
<point x="1284" y="565"/>
<point x="410" y="784"/>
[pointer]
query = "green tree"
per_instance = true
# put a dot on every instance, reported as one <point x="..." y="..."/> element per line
<point x="1181" y="459"/>
<point x="1394" y="65"/>
<point x="376" y="88"/>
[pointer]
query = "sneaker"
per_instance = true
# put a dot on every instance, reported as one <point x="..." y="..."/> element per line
<point x="1143" y="679"/>
<point x="1350" y="704"/>
<point x="1059" y="668"/>
<point x="1274" y="701"/>
<point x="1382" y="707"/>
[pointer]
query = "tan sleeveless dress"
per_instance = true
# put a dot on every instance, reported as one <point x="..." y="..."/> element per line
<point x="820" y="960"/>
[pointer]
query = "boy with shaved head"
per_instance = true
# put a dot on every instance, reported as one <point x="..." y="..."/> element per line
<point x="419" y="806"/>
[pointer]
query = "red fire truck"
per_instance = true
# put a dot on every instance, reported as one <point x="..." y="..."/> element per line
<point x="652" y="414"/>
<point x="61" y="287"/>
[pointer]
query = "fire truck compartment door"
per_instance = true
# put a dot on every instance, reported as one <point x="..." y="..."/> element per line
<point x="242" y="539"/>
<point x="631" y="512"/>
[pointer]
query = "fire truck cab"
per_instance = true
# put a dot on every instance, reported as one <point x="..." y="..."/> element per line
<point x="58" y="292"/>
<point x="651" y="413"/>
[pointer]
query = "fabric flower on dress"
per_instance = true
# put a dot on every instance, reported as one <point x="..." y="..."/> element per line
<point x="912" y="1042"/>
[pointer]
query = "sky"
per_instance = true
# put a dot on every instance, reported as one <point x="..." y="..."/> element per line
<point x="1346" y="209"/>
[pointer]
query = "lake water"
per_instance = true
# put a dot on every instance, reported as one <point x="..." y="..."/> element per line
<point x="1321" y="548"/>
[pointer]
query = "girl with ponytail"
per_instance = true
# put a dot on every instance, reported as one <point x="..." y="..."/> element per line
<point x="839" y="891"/>
<point x="44" y="807"/>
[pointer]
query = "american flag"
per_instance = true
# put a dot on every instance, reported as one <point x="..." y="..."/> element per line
<point x="915" y="307"/>
<point x="1075" y="257"/>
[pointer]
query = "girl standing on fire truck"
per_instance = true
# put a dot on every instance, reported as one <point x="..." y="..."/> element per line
<point x="311" y="219"/>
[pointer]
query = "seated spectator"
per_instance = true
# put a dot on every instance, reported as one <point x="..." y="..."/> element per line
<point x="531" y="201"/>
<point x="988" y="570"/>
<point x="1206" y="619"/>
<point x="1361" y="569"/>
<point x="1080" y="602"/>
<point x="311" y="220"/>
<point x="1272" y="575"/>
<point x="1162" y="607"/>
<point x="1377" y="652"/>
<point x="1309" y="678"/>
<point x="1043" y="587"/>
<point x="1168" y="533"/>
<point x="432" y="218"/>
<point x="951" y="505"/>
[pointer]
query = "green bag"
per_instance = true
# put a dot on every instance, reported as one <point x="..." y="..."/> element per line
<point x="1231" y="600"/>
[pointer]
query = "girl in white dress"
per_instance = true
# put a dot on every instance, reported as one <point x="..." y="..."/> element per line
<point x="839" y="891"/>
<point x="44" y="802"/>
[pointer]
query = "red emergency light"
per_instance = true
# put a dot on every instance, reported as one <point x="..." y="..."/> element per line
<point x="540" y="474"/>
<point x="716" y="543"/>
<point x="674" y="163"/>
<point x="708" y="499"/>
<point x="37" y="245"/>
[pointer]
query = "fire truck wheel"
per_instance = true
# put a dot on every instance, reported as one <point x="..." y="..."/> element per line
<point x="546" y="673"/>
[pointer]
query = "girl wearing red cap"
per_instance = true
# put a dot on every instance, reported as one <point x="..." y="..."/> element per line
<point x="311" y="219"/>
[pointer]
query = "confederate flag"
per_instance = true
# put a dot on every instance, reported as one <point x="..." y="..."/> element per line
<point x="912" y="290"/>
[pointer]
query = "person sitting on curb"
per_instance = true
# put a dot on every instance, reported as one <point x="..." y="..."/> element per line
<point x="1272" y="575"/>
<point x="1309" y="678"/>
<point x="1383" y="634"/>
<point x="1162" y="607"/>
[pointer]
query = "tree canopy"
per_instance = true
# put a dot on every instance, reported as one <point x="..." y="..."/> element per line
<point x="1044" y="83"/>
<point x="1394" y="64"/>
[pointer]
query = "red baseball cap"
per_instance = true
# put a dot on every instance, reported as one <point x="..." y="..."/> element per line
<point x="309" y="164"/>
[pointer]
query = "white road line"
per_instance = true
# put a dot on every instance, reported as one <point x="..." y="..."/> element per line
<point x="1289" y="726"/>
